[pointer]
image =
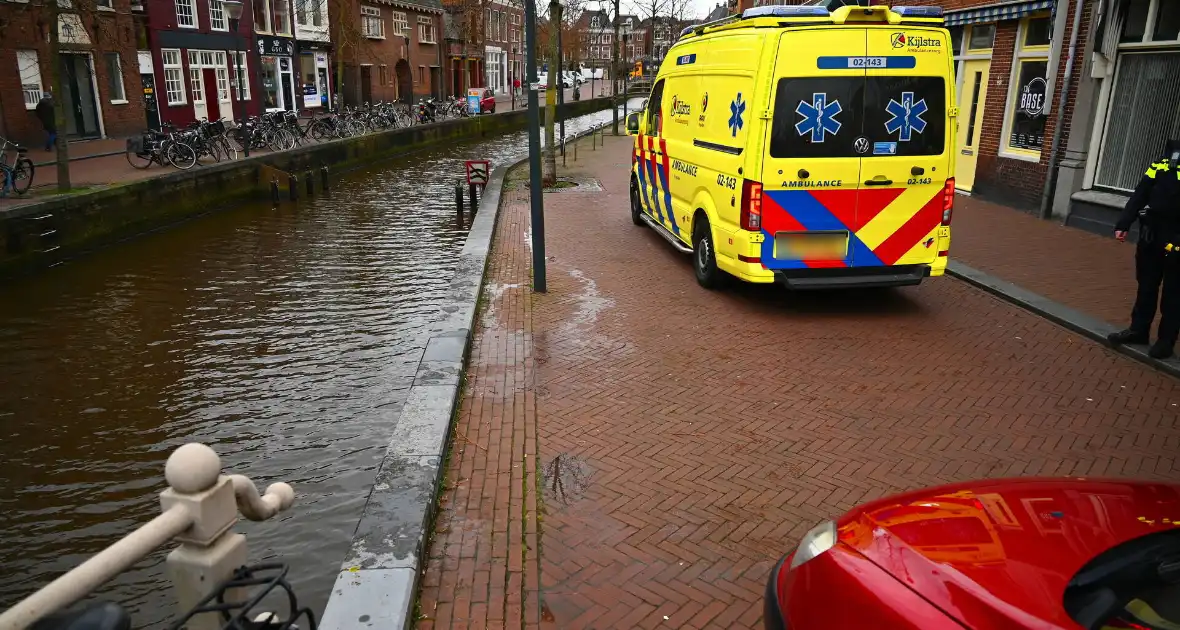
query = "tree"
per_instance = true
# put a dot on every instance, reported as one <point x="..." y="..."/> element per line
<point x="662" y="16"/>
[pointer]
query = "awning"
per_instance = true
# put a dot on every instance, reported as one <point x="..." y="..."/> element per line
<point x="997" y="12"/>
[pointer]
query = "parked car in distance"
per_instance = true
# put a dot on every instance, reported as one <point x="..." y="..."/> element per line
<point x="487" y="102"/>
<point x="1006" y="553"/>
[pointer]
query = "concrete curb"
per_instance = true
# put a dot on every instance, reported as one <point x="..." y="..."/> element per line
<point x="378" y="582"/>
<point x="1060" y="314"/>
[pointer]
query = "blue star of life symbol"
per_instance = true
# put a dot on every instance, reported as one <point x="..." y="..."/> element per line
<point x="736" y="109"/>
<point x="907" y="116"/>
<point x="819" y="117"/>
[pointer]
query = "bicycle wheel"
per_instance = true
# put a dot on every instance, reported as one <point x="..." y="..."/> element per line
<point x="180" y="155"/>
<point x="22" y="175"/>
<point x="141" y="161"/>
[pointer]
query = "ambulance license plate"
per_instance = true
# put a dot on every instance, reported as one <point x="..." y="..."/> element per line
<point x="817" y="245"/>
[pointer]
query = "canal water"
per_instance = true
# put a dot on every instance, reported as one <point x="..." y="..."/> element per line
<point x="284" y="338"/>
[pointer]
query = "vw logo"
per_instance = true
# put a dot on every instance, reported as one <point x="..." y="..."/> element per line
<point x="861" y="145"/>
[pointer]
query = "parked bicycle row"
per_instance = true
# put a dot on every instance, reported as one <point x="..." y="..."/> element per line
<point x="207" y="141"/>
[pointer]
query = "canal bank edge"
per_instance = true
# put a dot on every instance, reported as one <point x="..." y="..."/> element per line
<point x="378" y="582"/>
<point x="40" y="235"/>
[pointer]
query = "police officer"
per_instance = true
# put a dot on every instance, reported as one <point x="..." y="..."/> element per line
<point x="1156" y="204"/>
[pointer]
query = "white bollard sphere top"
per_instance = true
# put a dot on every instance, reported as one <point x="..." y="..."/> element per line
<point x="192" y="468"/>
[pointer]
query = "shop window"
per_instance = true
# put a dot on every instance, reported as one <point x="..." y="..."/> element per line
<point x="1027" y="109"/>
<point x="371" y="24"/>
<point x="400" y="23"/>
<point x="1144" y="112"/>
<point x="217" y="20"/>
<point x="186" y="13"/>
<point x="30" y="77"/>
<point x="982" y="36"/>
<point x="173" y="77"/>
<point x="425" y="30"/>
<point x="115" y="78"/>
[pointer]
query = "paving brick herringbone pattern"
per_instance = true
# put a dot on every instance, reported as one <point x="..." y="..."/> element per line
<point x="686" y="438"/>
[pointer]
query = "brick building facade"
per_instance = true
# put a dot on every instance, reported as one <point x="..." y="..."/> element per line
<point x="390" y="50"/>
<point x="99" y="65"/>
<point x="503" y="44"/>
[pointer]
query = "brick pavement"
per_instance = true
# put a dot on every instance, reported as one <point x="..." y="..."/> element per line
<point x="686" y="438"/>
<point x="1087" y="272"/>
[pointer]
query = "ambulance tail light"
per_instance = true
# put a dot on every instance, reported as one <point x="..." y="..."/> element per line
<point x="948" y="201"/>
<point x="751" y="217"/>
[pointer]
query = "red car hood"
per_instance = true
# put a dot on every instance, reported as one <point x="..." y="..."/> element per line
<point x="998" y="554"/>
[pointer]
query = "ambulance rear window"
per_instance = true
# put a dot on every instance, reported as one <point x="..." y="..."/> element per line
<point x="823" y="117"/>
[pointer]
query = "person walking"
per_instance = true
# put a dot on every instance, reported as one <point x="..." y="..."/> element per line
<point x="1156" y="205"/>
<point x="48" y="118"/>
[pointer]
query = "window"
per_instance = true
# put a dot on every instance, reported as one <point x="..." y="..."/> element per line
<point x="186" y="13"/>
<point x="235" y="59"/>
<point x="853" y="106"/>
<point x="655" y="108"/>
<point x="594" y="22"/>
<point x="425" y="30"/>
<point x="105" y="4"/>
<point x="982" y="36"/>
<point x="261" y="16"/>
<point x="30" y="76"/>
<point x="956" y="39"/>
<point x="1147" y="88"/>
<point x="400" y="23"/>
<point x="371" y="24"/>
<point x="1150" y="21"/>
<point x="217" y="16"/>
<point x="280" y="13"/>
<point x="383" y="74"/>
<point x="317" y="12"/>
<point x="115" y="78"/>
<point x="421" y="74"/>
<point x="194" y="75"/>
<point x="1027" y="112"/>
<point x="173" y="77"/>
<point x="308" y="12"/>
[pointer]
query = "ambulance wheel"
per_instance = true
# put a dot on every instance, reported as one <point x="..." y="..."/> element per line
<point x="635" y="209"/>
<point x="704" y="257"/>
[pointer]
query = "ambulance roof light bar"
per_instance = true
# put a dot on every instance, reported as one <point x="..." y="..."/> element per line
<point x="918" y="12"/>
<point x="786" y="12"/>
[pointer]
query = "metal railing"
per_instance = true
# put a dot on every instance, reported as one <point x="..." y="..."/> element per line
<point x="199" y="508"/>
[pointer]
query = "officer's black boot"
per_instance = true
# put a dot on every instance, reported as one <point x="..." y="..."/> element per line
<point x="1129" y="335"/>
<point x="1161" y="349"/>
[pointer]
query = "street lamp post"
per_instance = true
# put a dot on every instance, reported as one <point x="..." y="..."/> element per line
<point x="233" y="10"/>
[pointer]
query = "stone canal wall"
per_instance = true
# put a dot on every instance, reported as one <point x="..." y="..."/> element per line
<point x="39" y="235"/>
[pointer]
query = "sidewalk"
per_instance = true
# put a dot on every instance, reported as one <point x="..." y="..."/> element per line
<point x="634" y="451"/>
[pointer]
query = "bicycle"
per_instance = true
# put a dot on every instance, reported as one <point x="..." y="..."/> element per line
<point x="18" y="177"/>
<point x="160" y="148"/>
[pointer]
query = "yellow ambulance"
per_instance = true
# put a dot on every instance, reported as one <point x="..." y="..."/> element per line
<point x="805" y="146"/>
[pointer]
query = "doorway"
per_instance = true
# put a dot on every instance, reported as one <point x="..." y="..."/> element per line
<point x="81" y="107"/>
<point x="974" y="96"/>
<point x="150" y="106"/>
<point x="405" y="81"/>
<point x="212" y="97"/>
<point x="366" y="84"/>
<point x="287" y="83"/>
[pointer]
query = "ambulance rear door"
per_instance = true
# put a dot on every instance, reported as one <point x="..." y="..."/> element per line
<point x="811" y="168"/>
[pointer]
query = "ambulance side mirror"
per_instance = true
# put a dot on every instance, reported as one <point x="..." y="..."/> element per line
<point x="633" y="123"/>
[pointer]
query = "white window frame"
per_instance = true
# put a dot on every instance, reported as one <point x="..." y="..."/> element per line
<point x="1153" y="10"/>
<point x="426" y="26"/>
<point x="116" y="76"/>
<point x="28" y="67"/>
<point x="177" y="67"/>
<point x="215" y="9"/>
<point x="191" y="5"/>
<point x="288" y="30"/>
<point x="233" y="68"/>
<point x="1021" y="55"/>
<point x="401" y="23"/>
<point x="369" y="17"/>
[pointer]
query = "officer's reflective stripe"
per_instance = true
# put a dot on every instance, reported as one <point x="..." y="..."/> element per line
<point x="1151" y="173"/>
